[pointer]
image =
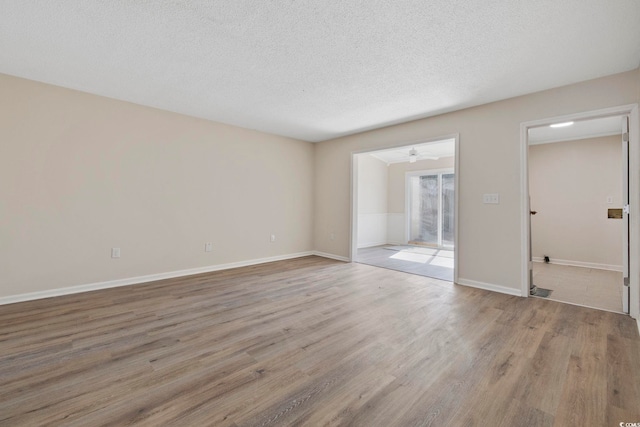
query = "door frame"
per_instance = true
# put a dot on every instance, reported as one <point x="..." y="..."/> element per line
<point x="353" y="244"/>
<point x="634" y="197"/>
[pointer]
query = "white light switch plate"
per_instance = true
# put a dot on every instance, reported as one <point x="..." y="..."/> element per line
<point x="491" y="198"/>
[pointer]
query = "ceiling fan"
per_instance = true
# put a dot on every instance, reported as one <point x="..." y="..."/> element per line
<point x="425" y="155"/>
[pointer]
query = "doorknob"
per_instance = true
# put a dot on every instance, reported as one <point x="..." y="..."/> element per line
<point x="533" y="212"/>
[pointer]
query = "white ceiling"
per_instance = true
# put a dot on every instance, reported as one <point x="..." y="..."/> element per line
<point x="316" y="70"/>
<point x="578" y="130"/>
<point x="429" y="150"/>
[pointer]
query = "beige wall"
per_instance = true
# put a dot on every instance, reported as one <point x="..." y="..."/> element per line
<point x="489" y="162"/>
<point x="80" y="174"/>
<point x="372" y="185"/>
<point x="372" y="201"/>
<point x="397" y="179"/>
<point x="569" y="183"/>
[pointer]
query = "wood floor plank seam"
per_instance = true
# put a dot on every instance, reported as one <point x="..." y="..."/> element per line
<point x="313" y="341"/>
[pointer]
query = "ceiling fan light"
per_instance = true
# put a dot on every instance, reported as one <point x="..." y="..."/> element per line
<point x="413" y="155"/>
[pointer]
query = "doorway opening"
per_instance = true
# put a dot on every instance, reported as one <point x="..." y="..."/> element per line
<point x="579" y="185"/>
<point x="575" y="186"/>
<point x="404" y="208"/>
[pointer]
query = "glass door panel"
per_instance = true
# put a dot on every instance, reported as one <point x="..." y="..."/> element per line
<point x="431" y="209"/>
<point x="448" y="208"/>
<point x="429" y="206"/>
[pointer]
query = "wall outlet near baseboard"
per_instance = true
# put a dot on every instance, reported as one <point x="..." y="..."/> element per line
<point x="115" y="252"/>
<point x="208" y="247"/>
<point x="273" y="238"/>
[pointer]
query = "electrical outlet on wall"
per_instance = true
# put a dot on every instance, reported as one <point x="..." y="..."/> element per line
<point x="115" y="252"/>
<point x="273" y="238"/>
<point x="208" y="247"/>
<point x="332" y="236"/>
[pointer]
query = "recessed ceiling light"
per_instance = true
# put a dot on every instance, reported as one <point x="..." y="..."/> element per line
<point x="561" y="125"/>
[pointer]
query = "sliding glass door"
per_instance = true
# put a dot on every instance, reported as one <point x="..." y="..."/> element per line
<point x="430" y="207"/>
<point x="448" y="208"/>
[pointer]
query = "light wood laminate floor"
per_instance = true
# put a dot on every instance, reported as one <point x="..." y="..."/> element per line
<point x="314" y="342"/>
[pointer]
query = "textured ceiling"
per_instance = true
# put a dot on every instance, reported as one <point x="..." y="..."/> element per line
<point x="315" y="70"/>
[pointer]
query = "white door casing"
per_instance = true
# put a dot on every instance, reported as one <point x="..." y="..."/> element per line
<point x="631" y="111"/>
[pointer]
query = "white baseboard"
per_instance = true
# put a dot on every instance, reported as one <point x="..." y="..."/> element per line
<point x="331" y="256"/>
<point x="371" y="244"/>
<point x="143" y="279"/>
<point x="570" y="263"/>
<point x="490" y="287"/>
